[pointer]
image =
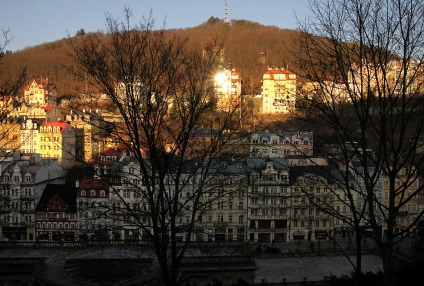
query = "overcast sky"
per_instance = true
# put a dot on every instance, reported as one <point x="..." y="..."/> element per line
<point x="33" y="22"/>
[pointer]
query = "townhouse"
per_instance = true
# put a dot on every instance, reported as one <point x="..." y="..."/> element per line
<point x="56" y="214"/>
<point x="23" y="179"/>
<point x="57" y="141"/>
<point x="278" y="91"/>
<point x="267" y="144"/>
<point x="93" y="212"/>
<point x="269" y="200"/>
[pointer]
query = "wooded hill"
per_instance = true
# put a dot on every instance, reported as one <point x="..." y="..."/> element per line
<point x="250" y="48"/>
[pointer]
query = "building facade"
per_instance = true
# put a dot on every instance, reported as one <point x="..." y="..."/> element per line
<point x="56" y="214"/>
<point x="23" y="179"/>
<point x="57" y="141"/>
<point x="228" y="89"/>
<point x="278" y="91"/>
<point x="269" y="200"/>
<point x="40" y="92"/>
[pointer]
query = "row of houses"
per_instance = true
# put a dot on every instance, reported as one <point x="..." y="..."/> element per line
<point x="255" y="199"/>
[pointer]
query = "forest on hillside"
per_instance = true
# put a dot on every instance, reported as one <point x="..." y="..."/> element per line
<point x="249" y="47"/>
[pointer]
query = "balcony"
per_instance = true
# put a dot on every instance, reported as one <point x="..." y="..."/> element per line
<point x="402" y="213"/>
<point x="220" y="224"/>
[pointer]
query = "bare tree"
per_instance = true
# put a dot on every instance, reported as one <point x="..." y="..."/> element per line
<point x="159" y="93"/>
<point x="363" y="61"/>
<point x="9" y="88"/>
<point x="9" y="129"/>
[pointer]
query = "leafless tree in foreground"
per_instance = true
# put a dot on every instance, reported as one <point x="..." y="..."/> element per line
<point x="9" y="88"/>
<point x="159" y="92"/>
<point x="365" y="61"/>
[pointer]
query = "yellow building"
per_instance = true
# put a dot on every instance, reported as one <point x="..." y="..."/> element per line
<point x="40" y="92"/>
<point x="57" y="141"/>
<point x="278" y="91"/>
<point x="10" y="134"/>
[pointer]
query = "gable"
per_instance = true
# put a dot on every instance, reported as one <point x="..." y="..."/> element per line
<point x="56" y="204"/>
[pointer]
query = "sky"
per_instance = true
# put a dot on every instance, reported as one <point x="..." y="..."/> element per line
<point x="33" y="22"/>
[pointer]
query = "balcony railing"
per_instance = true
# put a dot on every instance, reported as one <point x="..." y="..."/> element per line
<point x="220" y="224"/>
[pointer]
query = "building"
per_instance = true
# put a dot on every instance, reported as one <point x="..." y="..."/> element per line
<point x="269" y="200"/>
<point x="57" y="141"/>
<point x="228" y="89"/>
<point x="407" y="197"/>
<point x="56" y="214"/>
<point x="40" y="92"/>
<point x="29" y="135"/>
<point x="225" y="212"/>
<point x="92" y="200"/>
<point x="23" y="179"/>
<point x="312" y="200"/>
<point x="10" y="133"/>
<point x="89" y="132"/>
<point x="297" y="143"/>
<point x="129" y="211"/>
<point x="278" y="91"/>
<point x="265" y="144"/>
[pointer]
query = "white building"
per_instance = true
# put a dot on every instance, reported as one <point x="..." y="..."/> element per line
<point x="23" y="180"/>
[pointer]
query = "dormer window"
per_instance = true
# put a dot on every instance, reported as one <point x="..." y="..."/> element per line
<point x="83" y="193"/>
<point x="28" y="178"/>
<point x="102" y="193"/>
<point x="93" y="193"/>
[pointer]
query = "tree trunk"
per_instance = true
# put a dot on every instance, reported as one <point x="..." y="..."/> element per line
<point x="358" y="268"/>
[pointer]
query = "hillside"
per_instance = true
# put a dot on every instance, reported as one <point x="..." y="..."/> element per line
<point x="249" y="48"/>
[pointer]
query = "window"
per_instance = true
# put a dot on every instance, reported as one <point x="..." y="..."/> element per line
<point x="240" y="205"/>
<point x="241" y="219"/>
<point x="126" y="194"/>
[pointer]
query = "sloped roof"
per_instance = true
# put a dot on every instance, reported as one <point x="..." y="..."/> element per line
<point x="42" y="83"/>
<point x="64" y="193"/>
<point x="48" y="108"/>
<point x="60" y="124"/>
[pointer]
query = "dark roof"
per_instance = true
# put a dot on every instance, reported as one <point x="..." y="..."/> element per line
<point x="62" y="192"/>
<point x="322" y="171"/>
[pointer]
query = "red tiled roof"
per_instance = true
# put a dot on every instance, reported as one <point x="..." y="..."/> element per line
<point x="43" y="82"/>
<point x="278" y="71"/>
<point x="60" y="124"/>
<point x="48" y="108"/>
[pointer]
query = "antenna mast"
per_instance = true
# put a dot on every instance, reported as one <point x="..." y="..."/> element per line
<point x="226" y="12"/>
